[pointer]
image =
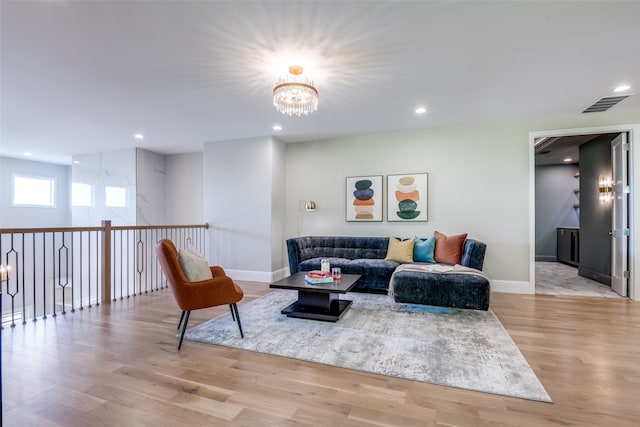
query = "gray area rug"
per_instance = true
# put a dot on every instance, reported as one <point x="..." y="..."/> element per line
<point x="467" y="349"/>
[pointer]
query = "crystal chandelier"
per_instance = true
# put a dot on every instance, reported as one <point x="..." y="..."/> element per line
<point x="295" y="94"/>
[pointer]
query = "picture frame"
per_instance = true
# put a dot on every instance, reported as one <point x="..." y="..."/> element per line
<point x="407" y="196"/>
<point x="363" y="201"/>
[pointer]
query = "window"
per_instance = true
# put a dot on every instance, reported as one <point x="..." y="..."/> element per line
<point x="34" y="191"/>
<point x="115" y="197"/>
<point x="81" y="194"/>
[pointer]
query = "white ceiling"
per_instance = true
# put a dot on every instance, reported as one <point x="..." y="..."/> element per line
<point x="84" y="76"/>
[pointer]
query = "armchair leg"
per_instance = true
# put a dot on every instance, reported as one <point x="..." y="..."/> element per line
<point x="181" y="319"/>
<point x="184" y="327"/>
<point x="233" y="315"/>
<point x="235" y="308"/>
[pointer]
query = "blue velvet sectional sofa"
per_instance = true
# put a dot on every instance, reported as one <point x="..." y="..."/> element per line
<point x="365" y="256"/>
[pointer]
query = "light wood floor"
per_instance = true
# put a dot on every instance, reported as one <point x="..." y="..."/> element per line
<point x="118" y="366"/>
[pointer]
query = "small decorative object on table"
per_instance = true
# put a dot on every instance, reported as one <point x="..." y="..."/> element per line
<point x="315" y="277"/>
<point x="325" y="265"/>
<point x="336" y="273"/>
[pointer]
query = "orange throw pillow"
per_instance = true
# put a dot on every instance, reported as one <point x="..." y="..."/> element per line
<point x="449" y="248"/>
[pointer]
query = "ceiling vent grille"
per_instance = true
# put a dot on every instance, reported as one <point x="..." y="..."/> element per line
<point x="603" y="104"/>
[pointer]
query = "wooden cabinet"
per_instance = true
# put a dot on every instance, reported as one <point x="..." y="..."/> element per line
<point x="568" y="246"/>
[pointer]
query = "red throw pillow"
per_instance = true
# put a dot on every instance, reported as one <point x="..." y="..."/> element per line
<point x="449" y="248"/>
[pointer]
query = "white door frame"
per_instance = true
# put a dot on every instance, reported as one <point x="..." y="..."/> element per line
<point x="634" y="181"/>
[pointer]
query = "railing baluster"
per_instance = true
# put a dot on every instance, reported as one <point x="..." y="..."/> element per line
<point x="44" y="276"/>
<point x="98" y="267"/>
<point x="130" y="283"/>
<point x="63" y="252"/>
<point x="15" y="273"/>
<point x="24" y="293"/>
<point x="139" y="250"/>
<point x="81" y="264"/>
<point x="33" y="249"/>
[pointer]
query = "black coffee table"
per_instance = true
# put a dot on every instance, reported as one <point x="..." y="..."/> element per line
<point x="317" y="302"/>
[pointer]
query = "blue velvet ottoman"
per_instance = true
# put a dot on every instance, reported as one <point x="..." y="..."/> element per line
<point x="442" y="289"/>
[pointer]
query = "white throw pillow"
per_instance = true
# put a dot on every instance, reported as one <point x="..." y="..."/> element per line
<point x="194" y="266"/>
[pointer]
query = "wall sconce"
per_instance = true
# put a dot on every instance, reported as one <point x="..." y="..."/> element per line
<point x="5" y="273"/>
<point x="309" y="206"/>
<point x="605" y="189"/>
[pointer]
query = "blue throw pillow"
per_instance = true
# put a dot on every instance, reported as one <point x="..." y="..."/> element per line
<point x="424" y="250"/>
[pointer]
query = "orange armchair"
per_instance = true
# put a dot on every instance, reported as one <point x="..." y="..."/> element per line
<point x="219" y="290"/>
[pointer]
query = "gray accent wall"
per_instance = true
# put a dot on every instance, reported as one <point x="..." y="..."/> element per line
<point x="595" y="216"/>
<point x="555" y="199"/>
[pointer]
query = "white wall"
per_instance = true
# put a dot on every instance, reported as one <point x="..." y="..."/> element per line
<point x="477" y="185"/>
<point x="279" y="258"/>
<point x="150" y="188"/>
<point x="238" y="204"/>
<point x="28" y="217"/>
<point x="113" y="168"/>
<point x="183" y="185"/>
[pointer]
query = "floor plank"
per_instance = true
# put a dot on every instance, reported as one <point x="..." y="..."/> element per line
<point x="118" y="365"/>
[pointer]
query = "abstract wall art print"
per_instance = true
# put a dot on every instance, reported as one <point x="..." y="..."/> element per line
<point x="364" y="198"/>
<point x="407" y="197"/>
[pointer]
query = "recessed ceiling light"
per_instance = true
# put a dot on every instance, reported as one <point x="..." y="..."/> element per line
<point x="76" y="162"/>
<point x="622" y="88"/>
<point x="28" y="154"/>
<point x="277" y="127"/>
<point x="138" y="136"/>
<point x="421" y="110"/>
<point x="568" y="159"/>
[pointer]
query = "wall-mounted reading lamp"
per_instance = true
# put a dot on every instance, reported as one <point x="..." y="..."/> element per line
<point x="309" y="206"/>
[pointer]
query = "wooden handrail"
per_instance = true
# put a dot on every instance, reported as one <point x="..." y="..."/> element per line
<point x="157" y="227"/>
<point x="116" y="227"/>
<point x="47" y="230"/>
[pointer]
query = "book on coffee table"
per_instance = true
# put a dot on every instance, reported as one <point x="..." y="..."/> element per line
<point x="315" y="277"/>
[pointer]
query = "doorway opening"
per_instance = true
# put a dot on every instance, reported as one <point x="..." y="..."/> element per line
<point x="582" y="213"/>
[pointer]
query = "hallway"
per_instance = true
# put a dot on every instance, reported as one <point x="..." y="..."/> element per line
<point x="554" y="278"/>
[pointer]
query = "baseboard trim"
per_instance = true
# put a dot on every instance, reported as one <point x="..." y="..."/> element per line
<point x="512" y="287"/>
<point x="258" y="276"/>
<point x="594" y="275"/>
<point x="546" y="258"/>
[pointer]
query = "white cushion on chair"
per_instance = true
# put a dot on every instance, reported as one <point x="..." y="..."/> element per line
<point x="194" y="266"/>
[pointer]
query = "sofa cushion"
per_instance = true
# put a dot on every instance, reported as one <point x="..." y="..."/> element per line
<point x="400" y="250"/>
<point x="449" y="248"/>
<point x="314" y="263"/>
<point x="424" y="250"/>
<point x="371" y="267"/>
<point x="339" y="247"/>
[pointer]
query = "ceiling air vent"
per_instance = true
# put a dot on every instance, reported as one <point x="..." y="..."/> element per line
<point x="603" y="104"/>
